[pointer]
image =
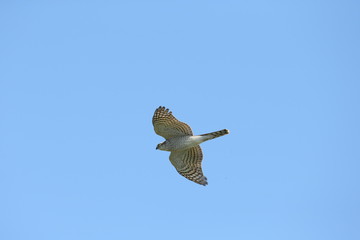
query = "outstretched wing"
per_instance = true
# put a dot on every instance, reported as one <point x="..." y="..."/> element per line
<point x="167" y="126"/>
<point x="188" y="164"/>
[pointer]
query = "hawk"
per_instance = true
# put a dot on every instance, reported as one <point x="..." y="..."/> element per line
<point x="185" y="152"/>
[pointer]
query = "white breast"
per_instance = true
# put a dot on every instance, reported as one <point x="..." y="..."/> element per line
<point x="184" y="142"/>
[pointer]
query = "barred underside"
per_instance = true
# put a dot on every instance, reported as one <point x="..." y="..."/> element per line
<point x="188" y="164"/>
<point x="167" y="126"/>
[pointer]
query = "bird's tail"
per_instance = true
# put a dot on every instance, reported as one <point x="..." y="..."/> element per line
<point x="216" y="134"/>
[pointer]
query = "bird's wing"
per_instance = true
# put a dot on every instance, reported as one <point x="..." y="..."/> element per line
<point x="188" y="164"/>
<point x="167" y="126"/>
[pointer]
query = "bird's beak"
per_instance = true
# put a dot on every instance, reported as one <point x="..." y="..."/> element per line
<point x="157" y="147"/>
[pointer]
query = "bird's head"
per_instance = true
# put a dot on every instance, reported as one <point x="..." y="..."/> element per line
<point x="160" y="146"/>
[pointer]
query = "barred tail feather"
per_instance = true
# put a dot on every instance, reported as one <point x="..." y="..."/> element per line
<point x="216" y="134"/>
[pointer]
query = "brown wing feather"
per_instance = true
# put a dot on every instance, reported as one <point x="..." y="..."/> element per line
<point x="188" y="164"/>
<point x="167" y="126"/>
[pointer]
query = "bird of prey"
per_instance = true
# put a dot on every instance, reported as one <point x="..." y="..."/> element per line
<point x="185" y="152"/>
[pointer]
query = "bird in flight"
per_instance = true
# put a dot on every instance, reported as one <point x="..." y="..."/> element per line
<point x="185" y="152"/>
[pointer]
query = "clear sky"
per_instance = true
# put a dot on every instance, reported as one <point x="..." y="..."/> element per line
<point x="79" y="83"/>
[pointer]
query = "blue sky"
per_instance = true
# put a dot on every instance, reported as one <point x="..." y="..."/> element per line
<point x="80" y="80"/>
